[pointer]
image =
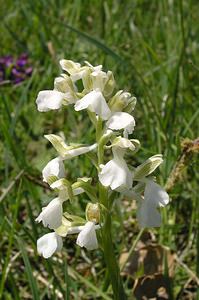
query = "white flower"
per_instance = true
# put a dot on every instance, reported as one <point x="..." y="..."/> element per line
<point x="74" y="69"/>
<point x="95" y="102"/>
<point x="121" y="120"/>
<point x="51" y="215"/>
<point x="78" y="151"/>
<point x="62" y="187"/>
<point x="123" y="143"/>
<point x="68" y="151"/>
<point x="49" y="99"/>
<point x="93" y="68"/>
<point x="55" y="168"/>
<point x="116" y="173"/>
<point x="99" y="79"/>
<point x="87" y="237"/>
<point x="154" y="196"/>
<point x="49" y="244"/>
<point x="65" y="85"/>
<point x="86" y="233"/>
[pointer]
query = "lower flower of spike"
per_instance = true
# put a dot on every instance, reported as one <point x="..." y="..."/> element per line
<point x="53" y="170"/>
<point x="87" y="237"/>
<point x="86" y="234"/>
<point x="51" y="215"/>
<point x="116" y="173"/>
<point x="154" y="196"/>
<point x="48" y="244"/>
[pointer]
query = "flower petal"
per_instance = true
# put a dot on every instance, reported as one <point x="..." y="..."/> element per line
<point x="49" y="244"/>
<point x="62" y="186"/>
<point x="121" y="120"/>
<point x="124" y="143"/>
<point x="78" y="151"/>
<point x="148" y="166"/>
<point x="148" y="216"/>
<point x="95" y="102"/>
<point x="74" y="69"/>
<point x="68" y="151"/>
<point x="99" y="79"/>
<point x="49" y="99"/>
<point x="51" y="215"/>
<point x="122" y="100"/>
<point x="87" y="237"/>
<point x="55" y="168"/>
<point x="116" y="175"/>
<point x="155" y="195"/>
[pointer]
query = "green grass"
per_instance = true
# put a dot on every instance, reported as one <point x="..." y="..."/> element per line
<point x="152" y="48"/>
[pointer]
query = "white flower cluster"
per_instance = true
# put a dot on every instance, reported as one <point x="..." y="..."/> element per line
<point x="98" y="98"/>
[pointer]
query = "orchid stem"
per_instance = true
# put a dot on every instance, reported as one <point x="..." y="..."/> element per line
<point x="107" y="243"/>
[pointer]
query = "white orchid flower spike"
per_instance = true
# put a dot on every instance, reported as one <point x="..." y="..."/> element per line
<point x="91" y="88"/>
<point x="154" y="196"/>
<point x="48" y="244"/>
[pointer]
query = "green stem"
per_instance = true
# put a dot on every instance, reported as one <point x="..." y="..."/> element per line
<point x="107" y="243"/>
<point x="110" y="259"/>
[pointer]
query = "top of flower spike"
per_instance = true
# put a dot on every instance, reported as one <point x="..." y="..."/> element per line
<point x="98" y="85"/>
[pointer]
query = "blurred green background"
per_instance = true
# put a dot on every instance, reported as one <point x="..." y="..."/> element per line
<point x="152" y="48"/>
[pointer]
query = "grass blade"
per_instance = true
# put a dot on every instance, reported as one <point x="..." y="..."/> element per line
<point x="28" y="270"/>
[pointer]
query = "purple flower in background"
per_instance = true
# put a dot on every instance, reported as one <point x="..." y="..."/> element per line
<point x="14" y="70"/>
<point x="6" y="60"/>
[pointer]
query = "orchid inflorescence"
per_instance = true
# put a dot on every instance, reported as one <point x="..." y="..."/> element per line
<point x="110" y="113"/>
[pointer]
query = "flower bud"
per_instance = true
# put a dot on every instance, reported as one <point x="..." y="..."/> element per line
<point x="70" y="66"/>
<point x="110" y="84"/>
<point x="86" y="80"/>
<point x="93" y="212"/>
<point x="122" y="101"/>
<point x="73" y="69"/>
<point x="148" y="166"/>
<point x="63" y="84"/>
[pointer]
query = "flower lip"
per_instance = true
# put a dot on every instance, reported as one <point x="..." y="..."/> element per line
<point x="87" y="237"/>
<point x="154" y="196"/>
<point x="48" y="244"/>
<point x="121" y="120"/>
<point x="95" y="102"/>
<point x="54" y="168"/>
<point x="49" y="99"/>
<point x="51" y="215"/>
<point x="116" y="174"/>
